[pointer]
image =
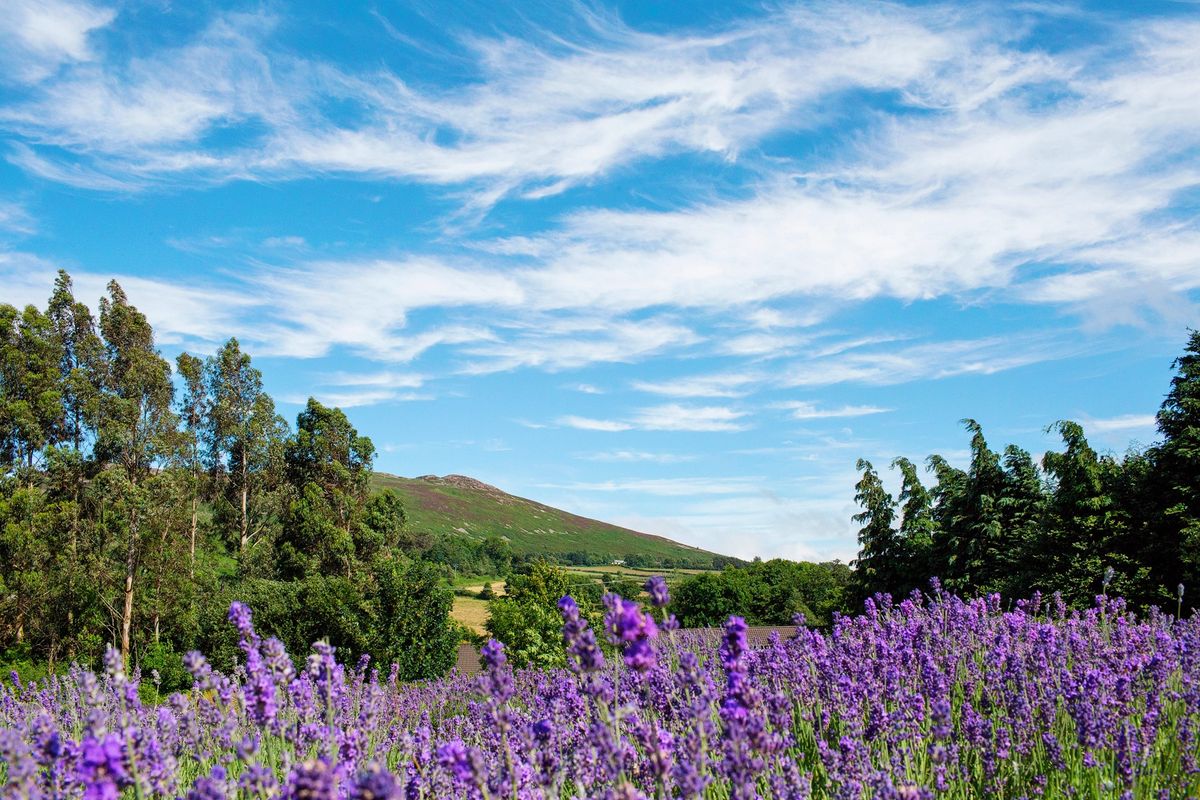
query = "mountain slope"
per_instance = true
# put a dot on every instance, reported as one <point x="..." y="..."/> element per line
<point x="462" y="505"/>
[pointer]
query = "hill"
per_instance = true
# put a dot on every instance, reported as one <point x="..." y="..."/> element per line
<point x="457" y="504"/>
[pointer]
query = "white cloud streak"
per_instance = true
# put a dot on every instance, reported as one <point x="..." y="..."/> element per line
<point x="37" y="36"/>
<point x="805" y="410"/>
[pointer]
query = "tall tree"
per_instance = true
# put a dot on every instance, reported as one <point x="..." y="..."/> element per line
<point x="329" y="468"/>
<point x="878" y="545"/>
<point x="81" y="370"/>
<point x="31" y="410"/>
<point x="138" y="427"/>
<point x="240" y="418"/>
<point x="1176" y="469"/>
<point x="82" y="355"/>
<point x="917" y="525"/>
<point x="193" y="410"/>
<point x="1086" y="529"/>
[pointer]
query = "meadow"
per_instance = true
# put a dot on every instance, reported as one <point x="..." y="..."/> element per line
<point x="931" y="697"/>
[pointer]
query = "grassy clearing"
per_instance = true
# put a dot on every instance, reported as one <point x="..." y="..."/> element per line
<point x="470" y="612"/>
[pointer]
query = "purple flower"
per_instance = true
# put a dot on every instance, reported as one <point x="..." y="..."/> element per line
<point x="210" y="787"/>
<point x="376" y="783"/>
<point x="656" y="586"/>
<point x="102" y="768"/>
<point x="583" y="652"/>
<point x="310" y="780"/>
<point x="632" y="629"/>
<point x="463" y="762"/>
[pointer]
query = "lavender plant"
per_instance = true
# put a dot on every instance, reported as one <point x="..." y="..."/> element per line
<point x="930" y="697"/>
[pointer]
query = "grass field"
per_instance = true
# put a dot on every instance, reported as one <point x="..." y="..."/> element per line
<point x="470" y="612"/>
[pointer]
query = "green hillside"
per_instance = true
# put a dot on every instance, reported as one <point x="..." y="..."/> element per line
<point x="456" y="504"/>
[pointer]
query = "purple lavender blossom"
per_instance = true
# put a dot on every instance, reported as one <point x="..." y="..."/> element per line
<point x="627" y="626"/>
<point x="656" y="586"/>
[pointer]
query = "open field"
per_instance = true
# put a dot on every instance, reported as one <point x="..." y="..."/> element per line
<point x="470" y="612"/>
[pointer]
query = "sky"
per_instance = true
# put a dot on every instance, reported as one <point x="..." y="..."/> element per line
<point x="676" y="266"/>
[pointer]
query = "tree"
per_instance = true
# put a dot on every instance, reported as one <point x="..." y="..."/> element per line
<point x="137" y="427"/>
<point x="879" y="552"/>
<point x="526" y="618"/>
<point x="382" y="526"/>
<point x="917" y="526"/>
<point x="82" y="355"/>
<point x="31" y="410"/>
<point x="245" y="440"/>
<point x="1176" y="470"/>
<point x="329" y="467"/>
<point x="193" y="410"/>
<point x="1082" y="520"/>
<point x="412" y="626"/>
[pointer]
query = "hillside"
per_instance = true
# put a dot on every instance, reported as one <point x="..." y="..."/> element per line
<point x="458" y="504"/>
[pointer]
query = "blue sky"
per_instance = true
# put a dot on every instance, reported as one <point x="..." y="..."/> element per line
<point x="673" y="265"/>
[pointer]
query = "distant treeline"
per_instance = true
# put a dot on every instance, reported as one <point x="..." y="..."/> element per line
<point x="136" y="501"/>
<point x="1076" y="522"/>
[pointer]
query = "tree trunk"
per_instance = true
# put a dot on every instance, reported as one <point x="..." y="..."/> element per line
<point x="245" y="500"/>
<point x="192" y="546"/>
<point x="127" y="612"/>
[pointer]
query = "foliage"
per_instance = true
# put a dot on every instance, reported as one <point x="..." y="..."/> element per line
<point x="526" y="618"/>
<point x="1080" y="522"/>
<point x="132" y="514"/>
<point x="763" y="592"/>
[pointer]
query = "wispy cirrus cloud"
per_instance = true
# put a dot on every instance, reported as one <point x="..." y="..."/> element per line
<point x="1121" y="423"/>
<point x="38" y="36"/>
<point x="800" y="409"/>
<point x="543" y="115"/>
<point x="636" y="456"/>
<point x="719" y="385"/>
<point x="16" y="219"/>
<point x="668" y="417"/>
<point x="929" y="360"/>
<point x="668" y="487"/>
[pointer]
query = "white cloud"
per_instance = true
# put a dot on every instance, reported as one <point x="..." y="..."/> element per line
<point x="669" y="417"/>
<point x="1122" y="422"/>
<point x="805" y="410"/>
<point x="353" y="398"/>
<point x="667" y="487"/>
<point x="930" y="360"/>
<point x="589" y="424"/>
<point x="14" y="218"/>
<point x="675" y="417"/>
<point x="636" y="456"/>
<point x="573" y="342"/>
<point x="723" y="385"/>
<point x="39" y="35"/>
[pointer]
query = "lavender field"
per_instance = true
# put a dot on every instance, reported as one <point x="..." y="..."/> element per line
<point x="932" y="697"/>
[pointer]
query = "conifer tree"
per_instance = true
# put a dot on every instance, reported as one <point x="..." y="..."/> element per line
<point x="1177" y="472"/>
<point x="879" y="552"/>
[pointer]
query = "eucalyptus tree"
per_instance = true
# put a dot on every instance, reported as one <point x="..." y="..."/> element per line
<point x="244" y="438"/>
<point x="81" y="364"/>
<point x="137" y="430"/>
<point x="193" y="410"/>
<point x="31" y="409"/>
